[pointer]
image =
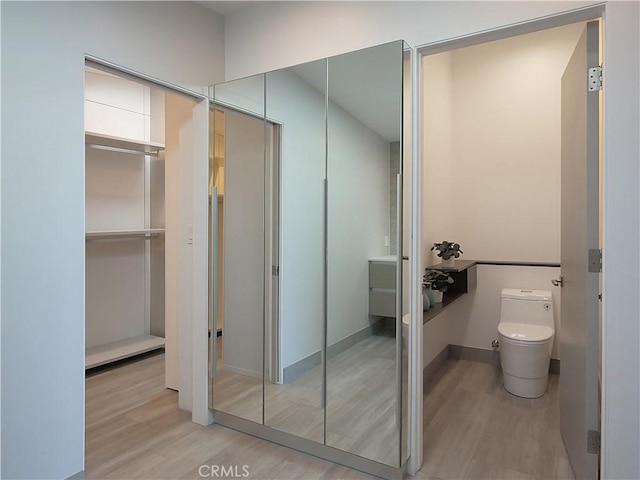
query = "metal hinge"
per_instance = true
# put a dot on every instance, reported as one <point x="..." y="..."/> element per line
<point x="593" y="442"/>
<point x="275" y="270"/>
<point x="595" y="78"/>
<point x="595" y="260"/>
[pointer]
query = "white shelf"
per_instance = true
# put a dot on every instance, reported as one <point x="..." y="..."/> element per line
<point x="124" y="145"/>
<point x="108" y="234"/>
<point x="111" y="352"/>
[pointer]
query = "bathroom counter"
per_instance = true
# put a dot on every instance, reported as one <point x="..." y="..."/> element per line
<point x="464" y="274"/>
<point x="435" y="310"/>
<point x="384" y="259"/>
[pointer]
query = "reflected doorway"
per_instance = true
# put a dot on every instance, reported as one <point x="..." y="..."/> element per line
<point x="244" y="242"/>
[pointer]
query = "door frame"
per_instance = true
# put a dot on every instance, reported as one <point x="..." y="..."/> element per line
<point x="584" y="14"/>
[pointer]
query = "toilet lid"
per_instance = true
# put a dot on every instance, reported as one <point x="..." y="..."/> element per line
<point x="524" y="332"/>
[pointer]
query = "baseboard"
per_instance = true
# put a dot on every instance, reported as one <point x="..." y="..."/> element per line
<point x="296" y="369"/>
<point x="554" y="366"/>
<point x="241" y="371"/>
<point x="472" y="354"/>
<point x="434" y="365"/>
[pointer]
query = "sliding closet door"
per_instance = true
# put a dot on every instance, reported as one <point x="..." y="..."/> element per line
<point x="364" y="211"/>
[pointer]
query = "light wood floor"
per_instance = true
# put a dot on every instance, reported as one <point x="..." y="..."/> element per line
<point x="134" y="430"/>
<point x="361" y="400"/>
<point x="473" y="430"/>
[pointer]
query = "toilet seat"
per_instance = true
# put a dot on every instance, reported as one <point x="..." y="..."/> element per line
<point x="524" y="333"/>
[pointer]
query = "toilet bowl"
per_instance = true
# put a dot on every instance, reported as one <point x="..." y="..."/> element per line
<point x="526" y="331"/>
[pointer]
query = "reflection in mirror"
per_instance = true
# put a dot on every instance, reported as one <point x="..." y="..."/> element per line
<point x="294" y="337"/>
<point x="307" y="234"/>
<point x="237" y="236"/>
<point x="364" y="333"/>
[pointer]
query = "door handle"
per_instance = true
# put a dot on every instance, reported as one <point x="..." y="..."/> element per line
<point x="559" y="282"/>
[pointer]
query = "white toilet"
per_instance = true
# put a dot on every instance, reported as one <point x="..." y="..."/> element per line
<point x="526" y="332"/>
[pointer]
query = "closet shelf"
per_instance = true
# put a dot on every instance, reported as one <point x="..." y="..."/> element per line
<point x="109" y="234"/>
<point x="112" y="352"/>
<point x="123" y="145"/>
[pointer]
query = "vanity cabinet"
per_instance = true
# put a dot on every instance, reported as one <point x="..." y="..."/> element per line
<point x="382" y="288"/>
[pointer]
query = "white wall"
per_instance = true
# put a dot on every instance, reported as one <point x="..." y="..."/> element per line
<point x="244" y="179"/>
<point x="43" y="47"/>
<point x="302" y="174"/>
<point x="621" y="260"/>
<point x="273" y="35"/>
<point x="437" y="153"/>
<point x="492" y="147"/>
<point x="506" y="146"/>
<point x="358" y="218"/>
<point x="358" y="182"/>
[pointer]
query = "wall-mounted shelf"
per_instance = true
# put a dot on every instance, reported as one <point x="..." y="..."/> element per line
<point x="112" y="352"/>
<point x="122" y="145"/>
<point x="110" y="234"/>
<point x="465" y="279"/>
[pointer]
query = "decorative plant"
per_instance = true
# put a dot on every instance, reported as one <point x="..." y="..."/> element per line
<point x="446" y="250"/>
<point x="437" y="280"/>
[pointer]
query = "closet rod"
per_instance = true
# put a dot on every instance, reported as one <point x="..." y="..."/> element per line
<point x="123" y="234"/>
<point x="153" y="153"/>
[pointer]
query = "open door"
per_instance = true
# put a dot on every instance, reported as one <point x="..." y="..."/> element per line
<point x="579" y="402"/>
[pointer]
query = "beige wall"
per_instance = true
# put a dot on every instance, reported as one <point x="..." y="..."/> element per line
<point x="492" y="158"/>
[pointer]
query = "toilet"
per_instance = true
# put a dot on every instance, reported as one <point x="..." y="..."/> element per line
<point x="526" y="332"/>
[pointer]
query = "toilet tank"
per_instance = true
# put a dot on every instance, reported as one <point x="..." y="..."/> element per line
<point x="531" y="307"/>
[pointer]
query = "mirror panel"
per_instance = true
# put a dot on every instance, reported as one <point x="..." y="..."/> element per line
<point x="308" y="228"/>
<point x="364" y="211"/>
<point x="238" y="179"/>
<point x="295" y="106"/>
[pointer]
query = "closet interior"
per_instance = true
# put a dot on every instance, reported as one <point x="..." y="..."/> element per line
<point x="131" y="217"/>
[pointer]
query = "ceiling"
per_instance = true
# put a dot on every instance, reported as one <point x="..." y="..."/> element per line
<point x="228" y="7"/>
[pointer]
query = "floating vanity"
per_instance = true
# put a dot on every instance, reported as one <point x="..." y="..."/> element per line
<point x="382" y="286"/>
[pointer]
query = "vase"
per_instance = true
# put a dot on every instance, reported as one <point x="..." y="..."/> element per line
<point x="437" y="296"/>
<point x="449" y="262"/>
<point x="426" y="301"/>
<point x="429" y="291"/>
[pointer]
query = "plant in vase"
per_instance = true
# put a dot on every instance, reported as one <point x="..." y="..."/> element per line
<point x="448" y="251"/>
<point x="435" y="283"/>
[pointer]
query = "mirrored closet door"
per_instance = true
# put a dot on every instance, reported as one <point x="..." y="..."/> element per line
<point x="306" y="235"/>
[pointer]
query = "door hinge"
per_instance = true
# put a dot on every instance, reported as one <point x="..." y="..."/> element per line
<point x="595" y="260"/>
<point x="593" y="442"/>
<point x="275" y="270"/>
<point x="595" y="78"/>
